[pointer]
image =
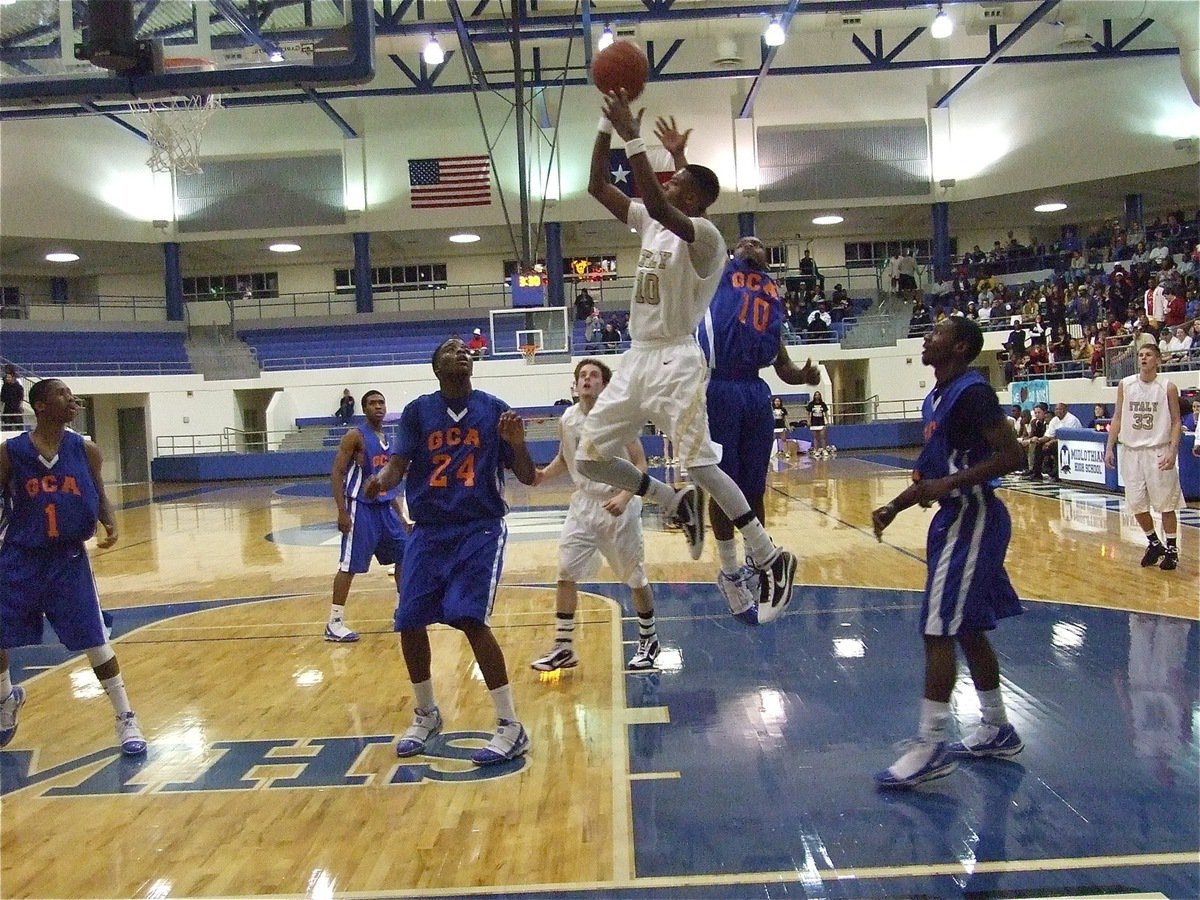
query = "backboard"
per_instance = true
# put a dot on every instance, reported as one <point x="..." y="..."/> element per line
<point x="96" y="50"/>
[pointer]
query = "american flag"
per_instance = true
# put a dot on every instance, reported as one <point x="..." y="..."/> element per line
<point x="622" y="173"/>
<point x="450" y="181"/>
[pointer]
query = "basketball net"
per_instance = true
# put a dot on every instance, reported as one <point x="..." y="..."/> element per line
<point x="529" y="351"/>
<point x="175" y="126"/>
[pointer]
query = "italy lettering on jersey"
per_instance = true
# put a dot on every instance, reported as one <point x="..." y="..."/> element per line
<point x="49" y="502"/>
<point x="376" y="453"/>
<point x="1146" y="414"/>
<point x="456" y="458"/>
<point x="743" y="326"/>
<point x="675" y="280"/>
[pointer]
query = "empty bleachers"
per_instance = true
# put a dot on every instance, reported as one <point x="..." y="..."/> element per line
<point x="63" y="354"/>
<point x="345" y="346"/>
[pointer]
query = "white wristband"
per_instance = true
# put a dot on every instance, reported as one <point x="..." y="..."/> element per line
<point x="634" y="146"/>
<point x="605" y="126"/>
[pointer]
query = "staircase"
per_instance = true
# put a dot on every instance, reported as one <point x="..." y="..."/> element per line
<point x="886" y="325"/>
<point x="217" y="353"/>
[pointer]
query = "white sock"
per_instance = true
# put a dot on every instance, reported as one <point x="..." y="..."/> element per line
<point x="424" y="694"/>
<point x="935" y="717"/>
<point x="336" y="614"/>
<point x="727" y="552"/>
<point x="991" y="707"/>
<point x="564" y="628"/>
<point x="5" y="684"/>
<point x="503" y="699"/>
<point x="115" y="688"/>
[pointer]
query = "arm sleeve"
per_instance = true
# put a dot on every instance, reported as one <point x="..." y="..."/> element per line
<point x="708" y="249"/>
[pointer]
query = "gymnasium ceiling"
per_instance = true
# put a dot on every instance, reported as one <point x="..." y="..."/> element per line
<point x="688" y="40"/>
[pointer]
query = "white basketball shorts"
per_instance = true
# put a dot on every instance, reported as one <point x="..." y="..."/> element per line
<point x="590" y="531"/>
<point x="1146" y="485"/>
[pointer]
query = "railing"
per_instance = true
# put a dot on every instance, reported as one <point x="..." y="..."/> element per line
<point x="872" y="409"/>
<point x="95" y="308"/>
<point x="65" y="368"/>
<point x="229" y="440"/>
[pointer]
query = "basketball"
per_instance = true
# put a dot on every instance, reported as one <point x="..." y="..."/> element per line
<point x="622" y="64"/>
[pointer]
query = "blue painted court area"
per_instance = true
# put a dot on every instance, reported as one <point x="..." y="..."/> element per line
<point x="776" y="732"/>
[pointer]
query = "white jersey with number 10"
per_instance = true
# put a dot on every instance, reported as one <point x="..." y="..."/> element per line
<point x="675" y="280"/>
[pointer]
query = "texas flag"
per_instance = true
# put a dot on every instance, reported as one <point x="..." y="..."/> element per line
<point x="622" y="174"/>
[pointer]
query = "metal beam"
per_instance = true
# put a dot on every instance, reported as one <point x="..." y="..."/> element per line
<point x="323" y="105"/>
<point x="768" y="57"/>
<point x="1017" y="33"/>
<point x="136" y="132"/>
<point x="246" y="27"/>
<point x="474" y="66"/>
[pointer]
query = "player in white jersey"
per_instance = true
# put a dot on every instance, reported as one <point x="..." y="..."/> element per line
<point x="602" y="520"/>
<point x="664" y="377"/>
<point x="1147" y="424"/>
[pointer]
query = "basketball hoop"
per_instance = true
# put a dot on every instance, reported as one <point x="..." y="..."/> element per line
<point x="529" y="351"/>
<point x="175" y="125"/>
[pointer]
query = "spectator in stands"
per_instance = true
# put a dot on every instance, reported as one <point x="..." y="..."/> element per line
<point x="904" y="275"/>
<point x="1179" y="345"/>
<point x="920" y="321"/>
<point x="12" y="396"/>
<point x="1100" y="418"/>
<point x="1014" y="417"/>
<point x="1078" y="269"/>
<point x="1059" y="347"/>
<point x="610" y="337"/>
<point x="1175" y="310"/>
<point x="478" y="344"/>
<point x="593" y="331"/>
<point x="820" y="323"/>
<point x="810" y="275"/>
<point x="1160" y="252"/>
<point x="345" y="410"/>
<point x="584" y="304"/>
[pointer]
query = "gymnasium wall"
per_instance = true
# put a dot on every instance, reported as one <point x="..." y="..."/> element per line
<point x="1008" y="131"/>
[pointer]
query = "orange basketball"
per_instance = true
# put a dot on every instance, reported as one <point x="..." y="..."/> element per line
<point x="622" y="64"/>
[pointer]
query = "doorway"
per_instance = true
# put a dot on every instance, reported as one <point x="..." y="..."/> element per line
<point x="131" y="441"/>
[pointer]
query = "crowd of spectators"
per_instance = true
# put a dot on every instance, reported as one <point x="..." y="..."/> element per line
<point x="1089" y="304"/>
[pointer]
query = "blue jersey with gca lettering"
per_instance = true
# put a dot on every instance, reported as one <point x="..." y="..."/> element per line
<point x="53" y="502"/>
<point x="742" y="329"/>
<point x="456" y="458"/>
<point x="375" y="453"/>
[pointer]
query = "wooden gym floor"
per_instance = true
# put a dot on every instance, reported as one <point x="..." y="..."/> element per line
<point x="741" y="768"/>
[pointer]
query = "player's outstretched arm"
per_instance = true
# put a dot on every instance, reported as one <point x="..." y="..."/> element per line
<point x="600" y="183"/>
<point x="557" y="466"/>
<point x="673" y="141"/>
<point x="629" y="127"/>
<point x="790" y="373"/>
<point x="107" y="516"/>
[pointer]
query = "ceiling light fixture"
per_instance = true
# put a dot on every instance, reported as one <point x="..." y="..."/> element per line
<point x="464" y="237"/>
<point x="828" y="220"/>
<point x="275" y="56"/>
<point x="606" y="38"/>
<point x="433" y="53"/>
<point x="1050" y="207"/>
<point x="942" y="26"/>
<point x="62" y="256"/>
<point x="284" y="247"/>
<point x="774" y="35"/>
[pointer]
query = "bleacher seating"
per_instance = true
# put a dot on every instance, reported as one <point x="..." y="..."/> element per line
<point x="67" y="353"/>
<point x="343" y="346"/>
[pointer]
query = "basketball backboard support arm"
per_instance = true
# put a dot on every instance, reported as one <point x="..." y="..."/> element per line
<point x="346" y="57"/>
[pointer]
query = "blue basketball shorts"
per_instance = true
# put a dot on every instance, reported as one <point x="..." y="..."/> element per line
<point x="741" y="421"/>
<point x="54" y="583"/>
<point x="450" y="572"/>
<point x="967" y="588"/>
<point x="375" y="530"/>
